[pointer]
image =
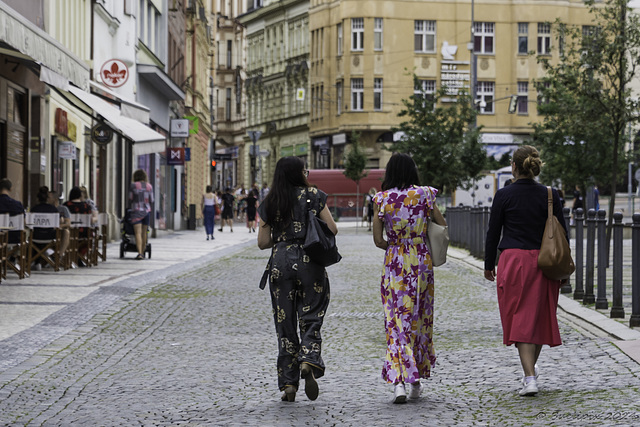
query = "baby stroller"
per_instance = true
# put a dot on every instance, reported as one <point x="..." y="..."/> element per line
<point x="128" y="243"/>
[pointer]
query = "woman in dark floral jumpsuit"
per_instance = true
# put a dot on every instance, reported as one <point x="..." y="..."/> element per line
<point x="299" y="287"/>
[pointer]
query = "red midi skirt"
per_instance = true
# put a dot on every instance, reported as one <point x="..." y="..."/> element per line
<point x="527" y="299"/>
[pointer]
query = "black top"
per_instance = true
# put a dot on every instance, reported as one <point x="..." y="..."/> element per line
<point x="40" y="233"/>
<point x="227" y="201"/>
<point x="519" y="212"/>
<point x="296" y="230"/>
<point x="12" y="207"/>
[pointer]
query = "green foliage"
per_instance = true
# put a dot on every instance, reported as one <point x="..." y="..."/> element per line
<point x="586" y="103"/>
<point x="442" y="139"/>
<point x="355" y="161"/>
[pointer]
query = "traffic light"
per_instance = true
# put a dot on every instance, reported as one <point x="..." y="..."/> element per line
<point x="513" y="104"/>
<point x="213" y="165"/>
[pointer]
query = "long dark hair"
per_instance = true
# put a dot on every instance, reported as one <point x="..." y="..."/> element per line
<point x="281" y="199"/>
<point x="401" y="172"/>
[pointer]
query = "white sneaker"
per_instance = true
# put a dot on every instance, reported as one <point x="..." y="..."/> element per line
<point x="536" y="373"/>
<point x="399" y="394"/>
<point x="415" y="390"/>
<point x="529" y="389"/>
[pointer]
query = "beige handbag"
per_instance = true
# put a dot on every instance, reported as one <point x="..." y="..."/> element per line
<point x="555" y="254"/>
<point x="438" y="242"/>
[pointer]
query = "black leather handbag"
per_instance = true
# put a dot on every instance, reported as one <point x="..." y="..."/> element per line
<point x="320" y="242"/>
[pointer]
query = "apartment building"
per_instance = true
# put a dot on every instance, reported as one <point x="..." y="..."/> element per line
<point x="363" y="54"/>
<point x="277" y="83"/>
<point x="229" y="77"/>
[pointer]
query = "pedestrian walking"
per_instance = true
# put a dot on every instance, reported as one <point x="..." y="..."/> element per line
<point x="578" y="202"/>
<point x="140" y="198"/>
<point x="251" y="202"/>
<point x="208" y="205"/>
<point x="299" y="287"/>
<point x="403" y="208"/>
<point x="368" y="206"/>
<point x="526" y="298"/>
<point x="227" y="209"/>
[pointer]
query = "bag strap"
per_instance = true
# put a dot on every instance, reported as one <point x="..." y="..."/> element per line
<point x="549" y="202"/>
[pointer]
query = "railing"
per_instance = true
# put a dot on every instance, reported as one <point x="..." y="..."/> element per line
<point x="598" y="276"/>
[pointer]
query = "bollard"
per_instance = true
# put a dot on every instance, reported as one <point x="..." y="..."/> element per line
<point x="589" y="297"/>
<point x="579" y="260"/>
<point x="601" y="300"/>
<point x="617" y="310"/>
<point x="634" y="320"/>
<point x="566" y="212"/>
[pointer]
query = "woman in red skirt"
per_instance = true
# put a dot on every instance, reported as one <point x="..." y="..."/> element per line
<point x="527" y="299"/>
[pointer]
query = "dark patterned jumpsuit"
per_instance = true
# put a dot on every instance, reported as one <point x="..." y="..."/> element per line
<point x="299" y="293"/>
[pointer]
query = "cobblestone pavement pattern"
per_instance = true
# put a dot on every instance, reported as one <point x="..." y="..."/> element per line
<point x="198" y="349"/>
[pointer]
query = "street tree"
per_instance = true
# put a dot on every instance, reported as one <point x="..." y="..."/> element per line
<point x="354" y="165"/>
<point x="585" y="98"/>
<point x="442" y="138"/>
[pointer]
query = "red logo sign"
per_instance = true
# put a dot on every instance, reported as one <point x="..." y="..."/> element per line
<point x="175" y="156"/>
<point x="114" y="73"/>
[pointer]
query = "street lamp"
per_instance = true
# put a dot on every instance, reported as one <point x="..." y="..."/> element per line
<point x="255" y="136"/>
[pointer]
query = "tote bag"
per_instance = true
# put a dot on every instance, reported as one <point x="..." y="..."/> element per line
<point x="320" y="242"/>
<point x="438" y="242"/>
<point x="554" y="258"/>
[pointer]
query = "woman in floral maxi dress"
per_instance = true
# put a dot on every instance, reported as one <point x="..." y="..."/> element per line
<point x="403" y="208"/>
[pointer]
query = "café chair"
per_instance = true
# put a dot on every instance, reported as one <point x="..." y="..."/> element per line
<point x="82" y="239"/>
<point x="17" y="251"/>
<point x="40" y="248"/>
<point x="101" y="237"/>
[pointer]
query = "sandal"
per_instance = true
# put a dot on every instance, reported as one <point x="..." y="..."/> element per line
<point x="139" y="257"/>
<point x="289" y="394"/>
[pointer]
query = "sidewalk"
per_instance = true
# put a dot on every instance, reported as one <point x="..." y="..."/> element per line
<point x="24" y="303"/>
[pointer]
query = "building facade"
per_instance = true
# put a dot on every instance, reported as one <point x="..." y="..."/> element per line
<point x="277" y="88"/>
<point x="363" y="55"/>
<point x="229" y="77"/>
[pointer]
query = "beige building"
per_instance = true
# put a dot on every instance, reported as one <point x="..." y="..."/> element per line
<point x="228" y="98"/>
<point x="363" y="53"/>
<point x="277" y="87"/>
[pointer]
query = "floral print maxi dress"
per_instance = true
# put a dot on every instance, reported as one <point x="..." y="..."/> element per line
<point x="407" y="284"/>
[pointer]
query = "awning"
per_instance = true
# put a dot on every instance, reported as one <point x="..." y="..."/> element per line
<point x="128" y="108"/>
<point x="145" y="140"/>
<point x="159" y="79"/>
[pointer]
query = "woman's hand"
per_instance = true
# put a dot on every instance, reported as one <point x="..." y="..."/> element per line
<point x="490" y="274"/>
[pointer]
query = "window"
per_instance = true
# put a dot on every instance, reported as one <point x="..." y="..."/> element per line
<point x="425" y="89"/>
<point x="523" y="38"/>
<point x="523" y="98"/>
<point x="424" y="36"/>
<point x="483" y="34"/>
<point x="229" y="47"/>
<point x="377" y="94"/>
<point x="544" y="39"/>
<point x="340" y="41"/>
<point x="377" y="34"/>
<point x="227" y="105"/>
<point x="542" y="87"/>
<point x="357" y="94"/>
<point x="339" y="97"/>
<point x="485" y="96"/>
<point x="357" y="34"/>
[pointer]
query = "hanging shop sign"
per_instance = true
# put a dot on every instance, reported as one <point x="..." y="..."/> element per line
<point x="175" y="156"/>
<point x="114" y="73"/>
<point x="101" y="134"/>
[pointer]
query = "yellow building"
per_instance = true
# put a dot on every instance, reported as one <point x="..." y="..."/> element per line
<point x="362" y="55"/>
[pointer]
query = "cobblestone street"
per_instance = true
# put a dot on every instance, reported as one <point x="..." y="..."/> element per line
<point x="198" y="349"/>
